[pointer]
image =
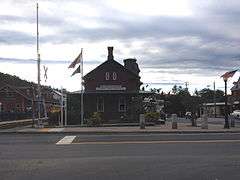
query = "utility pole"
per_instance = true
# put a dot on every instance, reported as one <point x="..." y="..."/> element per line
<point x="38" y="73"/>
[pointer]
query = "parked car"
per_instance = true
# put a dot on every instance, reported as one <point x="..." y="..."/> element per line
<point x="236" y="113"/>
<point x="188" y="115"/>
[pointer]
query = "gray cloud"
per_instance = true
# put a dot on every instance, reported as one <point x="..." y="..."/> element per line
<point x="9" y="37"/>
<point x="33" y="61"/>
<point x="206" y="43"/>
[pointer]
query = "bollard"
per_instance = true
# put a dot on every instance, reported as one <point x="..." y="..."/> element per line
<point x="142" y="121"/>
<point x="204" y="124"/>
<point x="174" y="121"/>
<point x="232" y="119"/>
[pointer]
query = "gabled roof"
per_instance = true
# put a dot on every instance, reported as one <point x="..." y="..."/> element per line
<point x="109" y="62"/>
<point x="236" y="85"/>
<point x="16" y="90"/>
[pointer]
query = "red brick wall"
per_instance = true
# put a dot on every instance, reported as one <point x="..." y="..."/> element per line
<point x="124" y="78"/>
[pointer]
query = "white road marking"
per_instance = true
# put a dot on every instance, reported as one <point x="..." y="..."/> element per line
<point x="56" y="130"/>
<point x="66" y="140"/>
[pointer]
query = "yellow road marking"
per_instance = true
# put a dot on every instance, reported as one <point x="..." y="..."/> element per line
<point x="157" y="142"/>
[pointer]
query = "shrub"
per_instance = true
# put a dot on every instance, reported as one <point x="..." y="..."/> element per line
<point x="152" y="116"/>
<point x="95" y="119"/>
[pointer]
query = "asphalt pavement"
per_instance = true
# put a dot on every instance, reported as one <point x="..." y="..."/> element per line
<point x="120" y="156"/>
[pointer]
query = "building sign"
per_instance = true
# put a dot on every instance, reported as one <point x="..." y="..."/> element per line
<point x="110" y="88"/>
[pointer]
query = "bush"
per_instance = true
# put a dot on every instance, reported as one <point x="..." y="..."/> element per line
<point x="95" y="119"/>
<point x="152" y="116"/>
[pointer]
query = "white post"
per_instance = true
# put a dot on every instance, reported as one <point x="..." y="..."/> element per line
<point x="65" y="103"/>
<point x="204" y="124"/>
<point x="82" y="109"/>
<point x="142" y="121"/>
<point x="174" y="121"/>
<point x="61" y="107"/>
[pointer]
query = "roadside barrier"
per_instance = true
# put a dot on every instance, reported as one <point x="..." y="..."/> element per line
<point x="19" y="123"/>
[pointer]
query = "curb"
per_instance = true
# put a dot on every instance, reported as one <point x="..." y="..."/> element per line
<point x="121" y="132"/>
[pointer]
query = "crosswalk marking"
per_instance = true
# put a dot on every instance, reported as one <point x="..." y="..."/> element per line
<point x="66" y="140"/>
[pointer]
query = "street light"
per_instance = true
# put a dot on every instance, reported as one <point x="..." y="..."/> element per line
<point x="225" y="77"/>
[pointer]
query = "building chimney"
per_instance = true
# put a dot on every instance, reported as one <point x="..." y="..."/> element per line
<point x="131" y="65"/>
<point x="110" y="53"/>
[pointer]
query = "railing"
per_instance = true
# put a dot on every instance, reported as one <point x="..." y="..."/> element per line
<point x="12" y="116"/>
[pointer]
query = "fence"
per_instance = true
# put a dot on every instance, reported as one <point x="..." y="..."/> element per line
<point x="10" y="116"/>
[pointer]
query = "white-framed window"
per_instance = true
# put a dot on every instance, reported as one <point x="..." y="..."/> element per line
<point x="122" y="104"/>
<point x="114" y="76"/>
<point x="100" y="104"/>
<point x="107" y="75"/>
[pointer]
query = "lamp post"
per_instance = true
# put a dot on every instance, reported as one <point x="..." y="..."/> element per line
<point x="226" y="125"/>
<point x="225" y="77"/>
<point x="214" y="99"/>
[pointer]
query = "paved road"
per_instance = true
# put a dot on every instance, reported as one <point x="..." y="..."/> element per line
<point x="152" y="156"/>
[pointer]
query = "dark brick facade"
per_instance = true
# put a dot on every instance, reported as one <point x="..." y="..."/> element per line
<point x="109" y="89"/>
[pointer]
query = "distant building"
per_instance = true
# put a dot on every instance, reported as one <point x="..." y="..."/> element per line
<point x="21" y="102"/>
<point x="219" y="107"/>
<point x="110" y="89"/>
<point x="15" y="100"/>
<point x="235" y="98"/>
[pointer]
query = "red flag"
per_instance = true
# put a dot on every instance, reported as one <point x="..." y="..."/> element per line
<point x="228" y="74"/>
<point x="76" y="61"/>
<point x="76" y="71"/>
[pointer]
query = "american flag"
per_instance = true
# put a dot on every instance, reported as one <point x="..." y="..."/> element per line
<point x="228" y="74"/>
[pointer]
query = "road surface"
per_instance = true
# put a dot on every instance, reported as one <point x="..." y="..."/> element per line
<point x="120" y="157"/>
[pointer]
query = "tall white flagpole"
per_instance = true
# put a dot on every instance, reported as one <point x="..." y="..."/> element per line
<point x="82" y="109"/>
<point x="38" y="71"/>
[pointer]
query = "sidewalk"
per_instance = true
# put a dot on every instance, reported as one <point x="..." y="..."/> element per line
<point x="182" y="128"/>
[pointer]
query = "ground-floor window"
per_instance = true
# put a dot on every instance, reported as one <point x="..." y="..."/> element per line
<point x="100" y="104"/>
<point x="122" y="104"/>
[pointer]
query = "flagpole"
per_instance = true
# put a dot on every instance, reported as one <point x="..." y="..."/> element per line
<point x="82" y="112"/>
<point x="38" y="71"/>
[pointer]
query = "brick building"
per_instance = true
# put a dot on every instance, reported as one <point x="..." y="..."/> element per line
<point x="235" y="97"/>
<point x="110" y="89"/>
<point x="20" y="102"/>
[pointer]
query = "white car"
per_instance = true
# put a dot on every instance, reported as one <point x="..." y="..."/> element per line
<point x="188" y="115"/>
<point x="236" y="113"/>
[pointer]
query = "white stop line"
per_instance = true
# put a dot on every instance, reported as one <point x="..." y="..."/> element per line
<point x="66" y="140"/>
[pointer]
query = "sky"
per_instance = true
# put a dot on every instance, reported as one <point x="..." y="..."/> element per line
<point x="174" y="41"/>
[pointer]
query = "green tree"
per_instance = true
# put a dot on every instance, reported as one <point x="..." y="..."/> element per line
<point x="207" y="95"/>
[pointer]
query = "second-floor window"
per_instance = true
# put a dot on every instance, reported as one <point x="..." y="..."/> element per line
<point x="114" y="76"/>
<point x="107" y="75"/>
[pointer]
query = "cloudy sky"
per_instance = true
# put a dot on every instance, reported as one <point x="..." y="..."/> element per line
<point x="174" y="41"/>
